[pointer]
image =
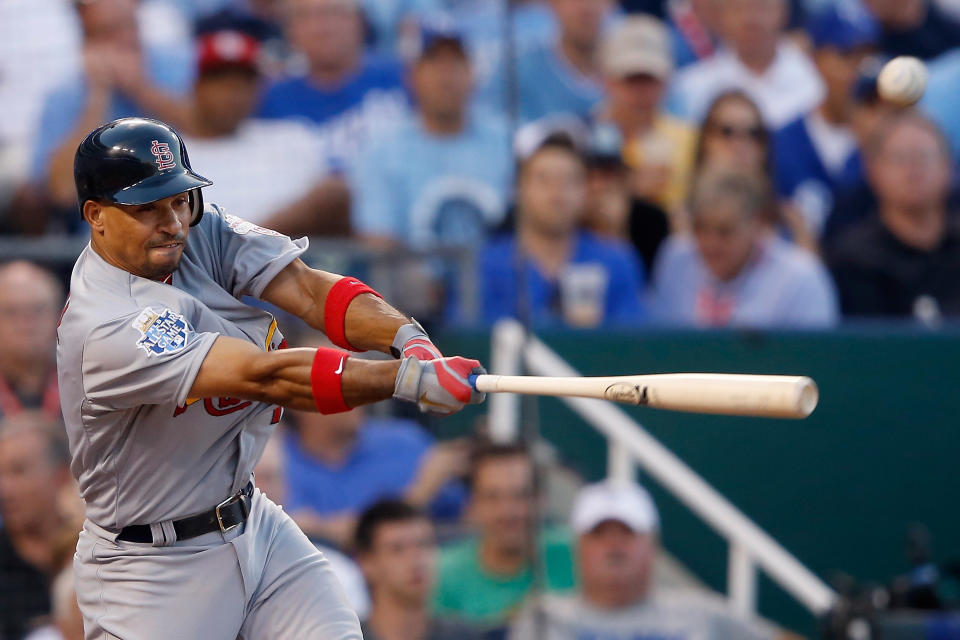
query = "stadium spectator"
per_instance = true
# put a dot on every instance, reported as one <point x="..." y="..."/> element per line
<point x="484" y="580"/>
<point x="30" y="301"/>
<point x="617" y="530"/>
<point x="567" y="275"/>
<point x="33" y="472"/>
<point x="397" y="549"/>
<point x="612" y="211"/>
<point x="270" y="172"/>
<point x="122" y="76"/>
<point x="269" y="474"/>
<point x="66" y="621"/>
<point x="637" y="63"/>
<point x="818" y="155"/>
<point x="734" y="272"/>
<point x="351" y="96"/>
<point x="734" y="138"/>
<point x="374" y="457"/>
<point x="756" y="58"/>
<point x="443" y="176"/>
<point x="915" y="27"/>
<point x="904" y="260"/>
<point x="563" y="75"/>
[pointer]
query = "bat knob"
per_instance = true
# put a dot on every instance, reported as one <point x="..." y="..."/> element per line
<point x="472" y="379"/>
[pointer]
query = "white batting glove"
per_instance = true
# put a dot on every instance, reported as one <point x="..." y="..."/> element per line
<point x="438" y="386"/>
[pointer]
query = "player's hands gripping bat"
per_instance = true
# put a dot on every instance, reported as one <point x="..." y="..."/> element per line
<point x="438" y="386"/>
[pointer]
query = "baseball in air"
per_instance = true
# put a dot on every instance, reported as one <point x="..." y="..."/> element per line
<point x="902" y="81"/>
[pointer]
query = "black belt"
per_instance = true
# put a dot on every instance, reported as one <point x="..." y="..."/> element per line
<point x="227" y="515"/>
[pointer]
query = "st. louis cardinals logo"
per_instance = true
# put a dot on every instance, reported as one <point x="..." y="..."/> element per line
<point x="161" y="151"/>
<point x="161" y="331"/>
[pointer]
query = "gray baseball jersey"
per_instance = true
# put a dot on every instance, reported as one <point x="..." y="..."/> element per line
<point x="128" y="352"/>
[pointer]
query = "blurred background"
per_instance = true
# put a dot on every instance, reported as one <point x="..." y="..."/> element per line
<point x="547" y="185"/>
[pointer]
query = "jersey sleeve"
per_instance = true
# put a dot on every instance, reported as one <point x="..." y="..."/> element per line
<point x="248" y="256"/>
<point x="148" y="357"/>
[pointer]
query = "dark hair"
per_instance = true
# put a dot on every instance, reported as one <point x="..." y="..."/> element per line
<point x="708" y="122"/>
<point x="487" y="450"/>
<point x="385" y="511"/>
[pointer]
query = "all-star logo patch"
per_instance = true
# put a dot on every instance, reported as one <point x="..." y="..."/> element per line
<point x="164" y="331"/>
<point x="243" y="227"/>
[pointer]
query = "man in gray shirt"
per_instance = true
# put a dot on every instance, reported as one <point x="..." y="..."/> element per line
<point x="617" y="527"/>
<point x="171" y="386"/>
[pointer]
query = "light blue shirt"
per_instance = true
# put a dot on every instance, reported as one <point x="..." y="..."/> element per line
<point x="547" y="84"/>
<point x="941" y="102"/>
<point x="426" y="190"/>
<point x="781" y="286"/>
<point x="170" y="70"/>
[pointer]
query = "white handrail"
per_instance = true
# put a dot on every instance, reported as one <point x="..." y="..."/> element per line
<point x="749" y="543"/>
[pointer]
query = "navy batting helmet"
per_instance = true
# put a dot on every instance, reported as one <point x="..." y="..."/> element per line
<point x="136" y="161"/>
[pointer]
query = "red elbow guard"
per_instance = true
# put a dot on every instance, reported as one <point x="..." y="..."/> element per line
<point x="326" y="380"/>
<point x="335" y="309"/>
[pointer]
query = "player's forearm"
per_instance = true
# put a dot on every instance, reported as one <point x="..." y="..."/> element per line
<point x="287" y="377"/>
<point x="372" y="323"/>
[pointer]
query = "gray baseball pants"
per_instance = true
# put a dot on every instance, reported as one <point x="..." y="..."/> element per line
<point x="264" y="579"/>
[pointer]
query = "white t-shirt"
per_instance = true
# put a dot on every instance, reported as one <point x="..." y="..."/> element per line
<point x="263" y="167"/>
<point x="787" y="90"/>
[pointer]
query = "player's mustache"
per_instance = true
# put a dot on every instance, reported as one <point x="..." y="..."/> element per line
<point x="178" y="237"/>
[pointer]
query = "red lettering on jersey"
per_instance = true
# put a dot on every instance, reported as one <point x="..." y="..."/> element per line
<point x="224" y="406"/>
<point x="277" y="415"/>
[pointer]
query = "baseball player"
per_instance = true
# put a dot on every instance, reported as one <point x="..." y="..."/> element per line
<point x="170" y="387"/>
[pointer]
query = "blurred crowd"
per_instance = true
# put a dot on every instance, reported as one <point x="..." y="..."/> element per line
<point x="700" y="163"/>
<point x="683" y="163"/>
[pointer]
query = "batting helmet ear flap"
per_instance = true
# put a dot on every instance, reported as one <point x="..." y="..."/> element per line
<point x="196" y="206"/>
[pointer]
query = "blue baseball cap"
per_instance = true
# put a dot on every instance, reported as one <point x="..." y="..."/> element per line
<point x="438" y="29"/>
<point x="845" y="26"/>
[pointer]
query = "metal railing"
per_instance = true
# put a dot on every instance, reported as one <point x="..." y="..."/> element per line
<point x="630" y="445"/>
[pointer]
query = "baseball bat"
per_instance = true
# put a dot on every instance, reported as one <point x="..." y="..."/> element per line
<point x="722" y="393"/>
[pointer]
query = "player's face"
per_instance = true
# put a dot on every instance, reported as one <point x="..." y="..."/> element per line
<point x="726" y="236"/>
<point x="146" y="240"/>
<point x="28" y="483"/>
<point x="552" y="190"/>
<point x="615" y="563"/>
<point x="501" y="505"/>
<point x="402" y="560"/>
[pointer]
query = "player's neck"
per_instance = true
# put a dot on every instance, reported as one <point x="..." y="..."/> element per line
<point x="392" y="619"/>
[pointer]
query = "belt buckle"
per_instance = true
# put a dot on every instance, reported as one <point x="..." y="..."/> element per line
<point x="243" y="504"/>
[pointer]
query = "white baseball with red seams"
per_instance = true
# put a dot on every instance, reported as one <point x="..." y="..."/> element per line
<point x="903" y="80"/>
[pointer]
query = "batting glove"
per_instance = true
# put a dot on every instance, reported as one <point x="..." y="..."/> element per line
<point x="438" y="386"/>
<point x="412" y="340"/>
